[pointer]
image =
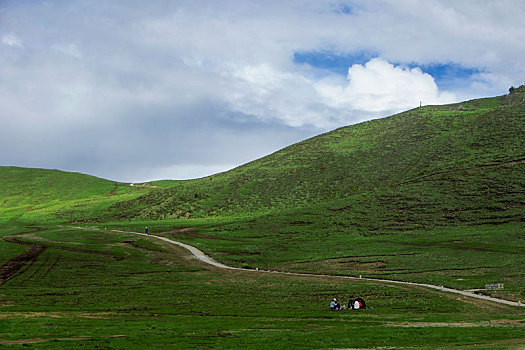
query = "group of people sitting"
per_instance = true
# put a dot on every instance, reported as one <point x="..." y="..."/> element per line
<point x="353" y="304"/>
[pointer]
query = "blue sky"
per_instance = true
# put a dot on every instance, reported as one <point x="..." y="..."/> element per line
<point x="448" y="76"/>
<point x="133" y="90"/>
<point x="333" y="62"/>
<point x="451" y="76"/>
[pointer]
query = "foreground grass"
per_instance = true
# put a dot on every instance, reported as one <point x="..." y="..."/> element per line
<point x="96" y="289"/>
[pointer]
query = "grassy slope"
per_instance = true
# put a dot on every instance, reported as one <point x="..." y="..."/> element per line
<point x="380" y="199"/>
<point x="48" y="197"/>
<point x="376" y="156"/>
<point x="436" y="194"/>
<point x="116" y="291"/>
<point x="22" y="186"/>
<point x="40" y="195"/>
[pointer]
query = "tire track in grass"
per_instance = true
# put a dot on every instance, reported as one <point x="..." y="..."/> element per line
<point x="15" y="266"/>
<point x="200" y="255"/>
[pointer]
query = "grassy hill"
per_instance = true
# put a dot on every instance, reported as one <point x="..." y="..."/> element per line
<point x="449" y="156"/>
<point x="418" y="175"/>
<point x="41" y="195"/>
<point x="22" y="186"/>
<point x="435" y="194"/>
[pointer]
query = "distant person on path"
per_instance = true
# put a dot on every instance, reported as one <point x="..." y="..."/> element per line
<point x="147" y="230"/>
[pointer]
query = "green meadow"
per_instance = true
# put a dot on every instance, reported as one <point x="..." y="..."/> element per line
<point x="108" y="290"/>
<point x="433" y="195"/>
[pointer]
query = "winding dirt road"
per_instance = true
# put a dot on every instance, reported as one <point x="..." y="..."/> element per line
<point x="208" y="260"/>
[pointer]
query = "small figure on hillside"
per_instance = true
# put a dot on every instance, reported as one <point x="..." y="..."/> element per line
<point x="334" y="305"/>
<point x="147" y="230"/>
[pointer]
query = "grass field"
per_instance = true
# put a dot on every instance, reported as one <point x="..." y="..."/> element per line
<point x="434" y="195"/>
<point x="111" y="290"/>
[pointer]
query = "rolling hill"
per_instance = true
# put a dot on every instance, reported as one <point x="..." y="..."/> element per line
<point x="397" y="194"/>
<point x="42" y="195"/>
<point x="430" y="165"/>
<point x="433" y="195"/>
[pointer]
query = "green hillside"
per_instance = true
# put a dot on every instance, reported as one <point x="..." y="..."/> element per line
<point x="41" y="195"/>
<point x="434" y="195"/>
<point x="22" y="186"/>
<point x="430" y="182"/>
<point x="452" y="157"/>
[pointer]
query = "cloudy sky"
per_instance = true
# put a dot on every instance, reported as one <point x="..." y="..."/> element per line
<point x="138" y="90"/>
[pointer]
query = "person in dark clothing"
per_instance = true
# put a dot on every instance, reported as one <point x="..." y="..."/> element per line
<point x="357" y="304"/>
<point x="147" y="230"/>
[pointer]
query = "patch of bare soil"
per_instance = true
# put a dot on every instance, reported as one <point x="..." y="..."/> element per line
<point x="23" y="341"/>
<point x="114" y="191"/>
<point x="4" y="303"/>
<point x="12" y="239"/>
<point x="492" y="323"/>
<point x="343" y="264"/>
<point x="14" y="266"/>
<point x="373" y="256"/>
<point x="378" y="348"/>
<point x="457" y="247"/>
<point x="42" y="340"/>
<point x="33" y="237"/>
<point x="32" y="229"/>
<point x="275" y="330"/>
<point x="511" y="344"/>
<point x="369" y="266"/>
<point x="495" y="308"/>
<point x="88" y="315"/>
<point x="144" y="185"/>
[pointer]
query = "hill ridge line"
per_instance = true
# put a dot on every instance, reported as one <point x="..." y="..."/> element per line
<point x="200" y="255"/>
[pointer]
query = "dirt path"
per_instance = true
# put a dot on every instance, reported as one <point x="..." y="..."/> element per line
<point x="144" y="185"/>
<point x="208" y="260"/>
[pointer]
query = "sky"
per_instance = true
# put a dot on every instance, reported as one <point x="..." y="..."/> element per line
<point x="134" y="90"/>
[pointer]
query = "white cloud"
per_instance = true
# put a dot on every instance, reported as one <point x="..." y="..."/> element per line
<point x="268" y="93"/>
<point x="379" y="86"/>
<point x="134" y="77"/>
<point x="11" y="40"/>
